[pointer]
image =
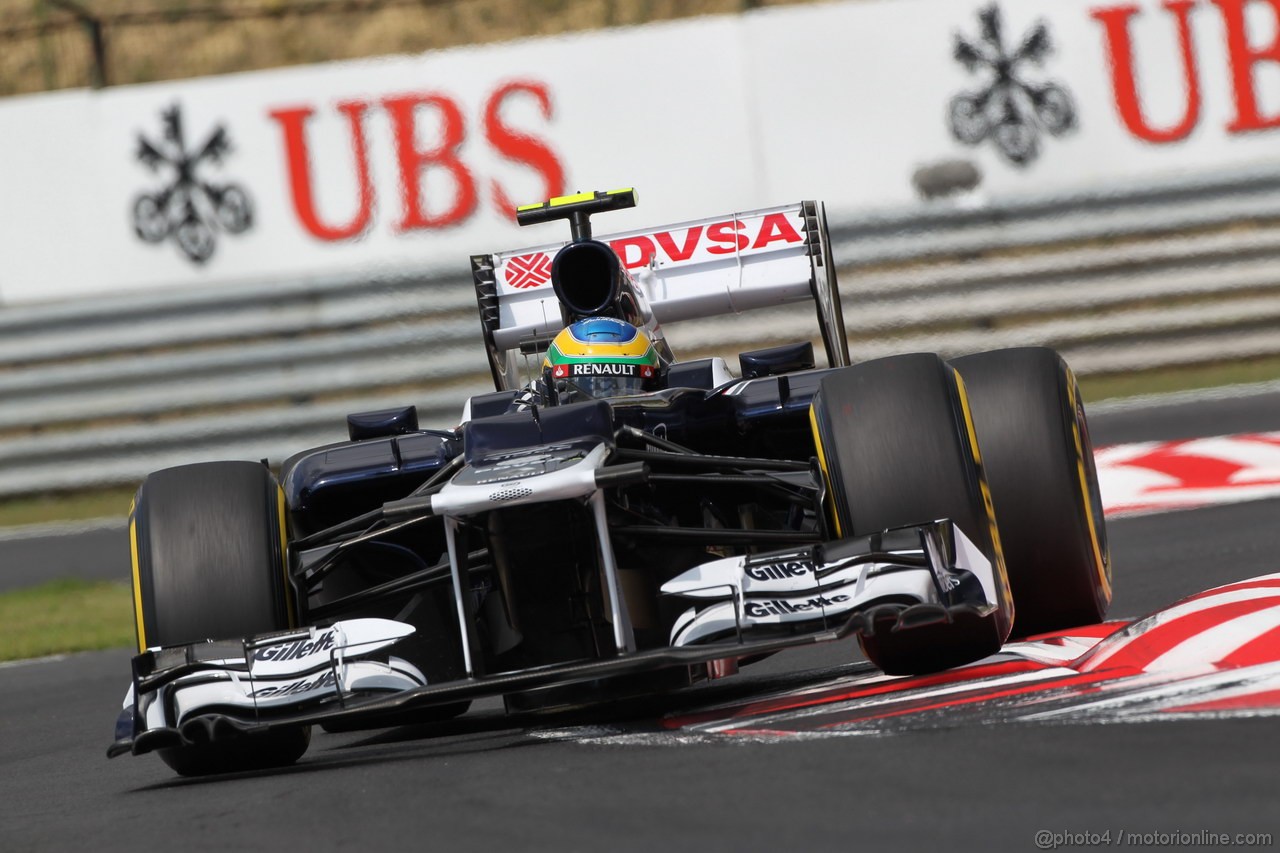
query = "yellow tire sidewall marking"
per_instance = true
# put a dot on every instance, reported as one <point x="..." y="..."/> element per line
<point x="1006" y="591"/>
<point x="137" y="580"/>
<point x="826" y="473"/>
<point x="284" y="556"/>
<point x="1100" y="564"/>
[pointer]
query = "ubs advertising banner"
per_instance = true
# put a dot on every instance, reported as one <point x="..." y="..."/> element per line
<point x="412" y="163"/>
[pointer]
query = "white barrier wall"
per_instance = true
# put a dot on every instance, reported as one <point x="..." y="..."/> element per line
<point x="413" y="162"/>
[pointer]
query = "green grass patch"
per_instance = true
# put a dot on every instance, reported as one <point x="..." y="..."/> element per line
<point x="73" y="506"/>
<point x="65" y="616"/>
<point x="1181" y="379"/>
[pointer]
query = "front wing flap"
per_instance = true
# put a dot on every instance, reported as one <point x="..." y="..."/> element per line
<point x="914" y="575"/>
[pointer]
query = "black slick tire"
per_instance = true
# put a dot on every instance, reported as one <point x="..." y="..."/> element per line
<point x="208" y="563"/>
<point x="1039" y="460"/>
<point x="895" y="441"/>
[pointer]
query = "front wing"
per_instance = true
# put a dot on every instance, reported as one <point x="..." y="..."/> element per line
<point x="739" y="608"/>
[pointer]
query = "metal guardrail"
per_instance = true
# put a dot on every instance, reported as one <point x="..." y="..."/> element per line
<point x="102" y="391"/>
<point x="1120" y="211"/>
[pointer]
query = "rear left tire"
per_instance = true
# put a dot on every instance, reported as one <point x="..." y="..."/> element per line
<point x="1039" y="461"/>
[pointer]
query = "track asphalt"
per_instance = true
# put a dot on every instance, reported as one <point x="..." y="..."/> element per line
<point x="488" y="783"/>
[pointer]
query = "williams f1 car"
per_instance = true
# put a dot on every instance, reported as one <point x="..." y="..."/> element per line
<point x="611" y="521"/>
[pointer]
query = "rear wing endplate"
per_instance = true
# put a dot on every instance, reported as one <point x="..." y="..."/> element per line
<point x="703" y="268"/>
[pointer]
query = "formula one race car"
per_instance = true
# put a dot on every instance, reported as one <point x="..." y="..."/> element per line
<point x="611" y="521"/>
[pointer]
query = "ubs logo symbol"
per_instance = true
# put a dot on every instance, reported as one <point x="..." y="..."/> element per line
<point x="190" y="208"/>
<point x="1010" y="109"/>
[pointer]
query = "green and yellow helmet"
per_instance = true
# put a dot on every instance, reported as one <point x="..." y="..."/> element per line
<point x="603" y="357"/>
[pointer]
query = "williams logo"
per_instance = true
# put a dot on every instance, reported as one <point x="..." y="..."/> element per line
<point x="1010" y="109"/>
<point x="529" y="270"/>
<point x="190" y="208"/>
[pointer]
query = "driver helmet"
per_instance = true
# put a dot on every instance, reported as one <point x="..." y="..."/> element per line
<point x="603" y="357"/>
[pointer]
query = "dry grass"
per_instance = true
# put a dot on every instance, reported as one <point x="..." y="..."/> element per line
<point x="42" y="47"/>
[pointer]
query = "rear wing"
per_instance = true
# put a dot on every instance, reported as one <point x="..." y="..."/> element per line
<point x="702" y="268"/>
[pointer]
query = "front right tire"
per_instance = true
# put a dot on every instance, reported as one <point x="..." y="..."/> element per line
<point x="898" y="448"/>
<point x="208" y="547"/>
